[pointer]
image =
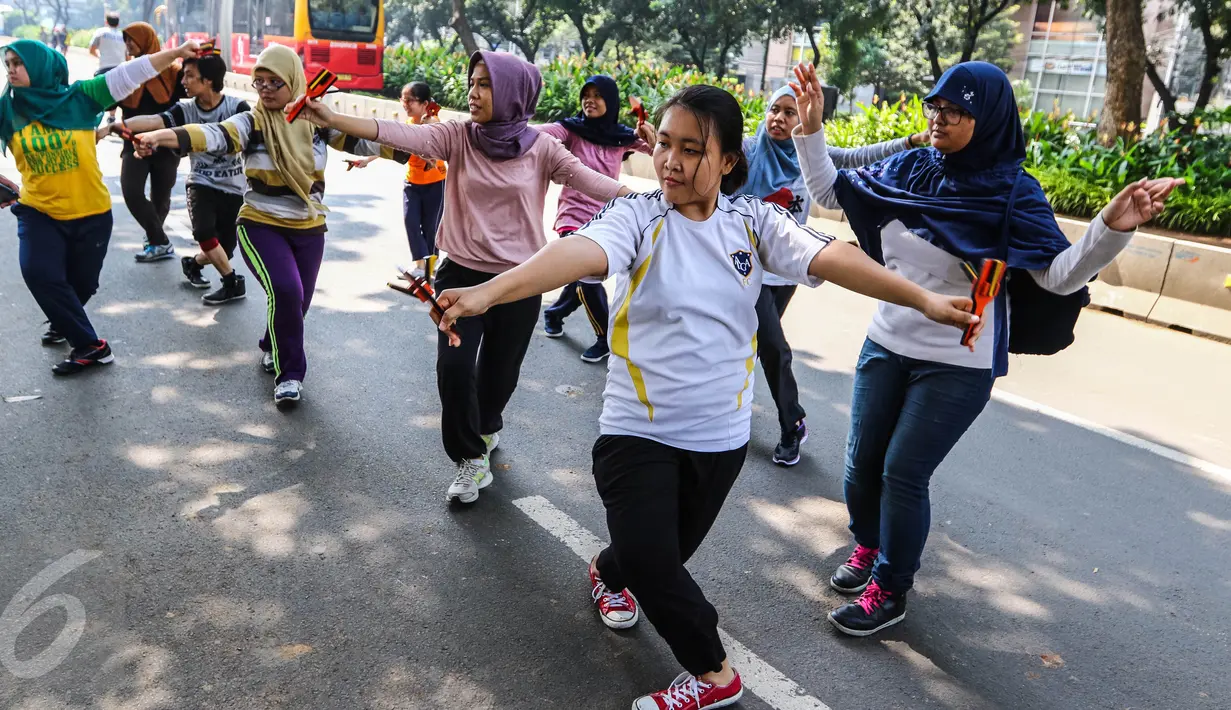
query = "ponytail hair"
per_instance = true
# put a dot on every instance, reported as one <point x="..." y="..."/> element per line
<point x="717" y="111"/>
<point x="420" y="90"/>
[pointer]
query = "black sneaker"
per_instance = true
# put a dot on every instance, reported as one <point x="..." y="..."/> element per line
<point x="552" y="327"/>
<point x="232" y="289"/>
<point x="874" y="610"/>
<point x="81" y="358"/>
<point x="596" y="352"/>
<point x="192" y="272"/>
<point x="853" y="576"/>
<point x="51" y="337"/>
<point x="787" y="451"/>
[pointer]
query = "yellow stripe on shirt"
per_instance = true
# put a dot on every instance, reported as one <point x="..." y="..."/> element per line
<point x="750" y="364"/>
<point x="619" y="330"/>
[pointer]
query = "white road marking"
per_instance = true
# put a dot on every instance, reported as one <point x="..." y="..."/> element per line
<point x="1213" y="470"/>
<point x="767" y="682"/>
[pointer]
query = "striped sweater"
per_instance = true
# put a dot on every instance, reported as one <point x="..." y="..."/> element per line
<point x="267" y="199"/>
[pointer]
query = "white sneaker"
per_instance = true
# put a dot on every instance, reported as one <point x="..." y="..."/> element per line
<point x="288" y="393"/>
<point x="473" y="475"/>
<point x="492" y="441"/>
<point x="267" y="363"/>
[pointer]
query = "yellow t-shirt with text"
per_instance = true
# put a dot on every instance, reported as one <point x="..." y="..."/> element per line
<point x="59" y="172"/>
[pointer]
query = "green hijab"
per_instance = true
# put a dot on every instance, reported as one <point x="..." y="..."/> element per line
<point x="49" y="99"/>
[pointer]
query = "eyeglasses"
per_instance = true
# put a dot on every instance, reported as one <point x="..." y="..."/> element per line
<point x="949" y="115"/>
<point x="272" y="84"/>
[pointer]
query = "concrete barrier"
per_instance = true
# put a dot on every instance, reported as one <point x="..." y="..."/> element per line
<point x="1195" y="294"/>
<point x="1133" y="282"/>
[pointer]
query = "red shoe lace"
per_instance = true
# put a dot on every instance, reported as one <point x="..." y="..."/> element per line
<point x="863" y="557"/>
<point x="872" y="598"/>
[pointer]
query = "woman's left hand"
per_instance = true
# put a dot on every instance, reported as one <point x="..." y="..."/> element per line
<point x="1138" y="203"/>
<point x="921" y="140"/>
<point x="647" y="133"/>
<point x="188" y="50"/>
<point x="12" y="186"/>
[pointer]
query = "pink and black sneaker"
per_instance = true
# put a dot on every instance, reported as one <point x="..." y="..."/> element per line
<point x="852" y="577"/>
<point x="689" y="692"/>
<point x="875" y="609"/>
<point x="618" y="610"/>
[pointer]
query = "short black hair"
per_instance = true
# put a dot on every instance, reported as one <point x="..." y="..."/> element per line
<point x="212" y="68"/>
<point x="716" y="110"/>
<point x="419" y="89"/>
<point x="113" y="19"/>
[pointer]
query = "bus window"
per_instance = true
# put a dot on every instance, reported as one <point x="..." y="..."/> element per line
<point x="279" y="18"/>
<point x="351" y="20"/>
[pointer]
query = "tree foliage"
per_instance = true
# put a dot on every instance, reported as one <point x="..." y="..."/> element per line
<point x="707" y="33"/>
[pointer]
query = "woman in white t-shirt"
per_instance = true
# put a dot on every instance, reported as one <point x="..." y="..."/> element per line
<point x="689" y="261"/>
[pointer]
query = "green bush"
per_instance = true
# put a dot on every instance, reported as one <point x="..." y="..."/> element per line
<point x="882" y="121"/>
<point x="81" y="38"/>
<point x="29" y="32"/>
<point x="563" y="78"/>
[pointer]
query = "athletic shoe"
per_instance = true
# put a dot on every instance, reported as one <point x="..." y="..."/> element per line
<point x="288" y="393"/>
<point x="192" y="272"/>
<point x="492" y="441"/>
<point x="51" y="337"/>
<point x="473" y="475"/>
<point x="787" y="451"/>
<point x="153" y="253"/>
<point x="267" y="363"/>
<point x="233" y="288"/>
<point x="688" y="692"/>
<point x="618" y="610"/>
<point x="853" y="576"/>
<point x="552" y="327"/>
<point x="81" y="358"/>
<point x="596" y="352"/>
<point x="874" y="610"/>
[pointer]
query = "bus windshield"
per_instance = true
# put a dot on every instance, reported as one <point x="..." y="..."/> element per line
<point x="351" y="20"/>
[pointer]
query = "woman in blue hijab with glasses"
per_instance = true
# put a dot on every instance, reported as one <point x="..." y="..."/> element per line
<point x="775" y="177"/>
<point x="929" y="214"/>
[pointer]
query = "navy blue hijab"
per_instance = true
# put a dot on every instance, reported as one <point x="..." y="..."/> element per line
<point x="606" y="129"/>
<point x="960" y="202"/>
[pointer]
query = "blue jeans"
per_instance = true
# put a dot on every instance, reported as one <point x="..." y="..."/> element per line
<point x="906" y="415"/>
<point x="422" y="207"/>
<point x="60" y="262"/>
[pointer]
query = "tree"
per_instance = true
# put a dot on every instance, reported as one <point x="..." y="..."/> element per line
<point x="598" y="22"/>
<point x="461" y="25"/>
<point x="1211" y="19"/>
<point x="895" y="60"/>
<point x="1126" y="66"/>
<point x="527" y="24"/>
<point x="411" y="19"/>
<point x="965" y="20"/>
<point x="707" y="32"/>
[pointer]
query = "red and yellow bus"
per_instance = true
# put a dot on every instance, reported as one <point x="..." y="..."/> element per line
<point x="347" y="36"/>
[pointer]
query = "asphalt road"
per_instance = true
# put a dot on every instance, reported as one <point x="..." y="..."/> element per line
<point x="248" y="558"/>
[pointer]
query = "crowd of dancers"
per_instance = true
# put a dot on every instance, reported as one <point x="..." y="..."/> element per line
<point x="705" y="266"/>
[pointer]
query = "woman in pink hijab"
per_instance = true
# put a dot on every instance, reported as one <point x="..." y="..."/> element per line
<point x="499" y="171"/>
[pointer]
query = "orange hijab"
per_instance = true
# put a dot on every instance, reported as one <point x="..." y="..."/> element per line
<point x="161" y="87"/>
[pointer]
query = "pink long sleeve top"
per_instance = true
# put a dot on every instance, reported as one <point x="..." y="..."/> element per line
<point x="493" y="217"/>
<point x="576" y="208"/>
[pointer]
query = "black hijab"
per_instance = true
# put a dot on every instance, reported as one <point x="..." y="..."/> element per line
<point x="606" y="129"/>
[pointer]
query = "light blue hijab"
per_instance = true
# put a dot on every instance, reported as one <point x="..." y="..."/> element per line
<point x="772" y="165"/>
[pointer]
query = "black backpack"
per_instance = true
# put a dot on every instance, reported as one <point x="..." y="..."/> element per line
<point x="1040" y="322"/>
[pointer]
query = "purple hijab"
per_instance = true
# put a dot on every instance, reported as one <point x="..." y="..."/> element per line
<point x="515" y="96"/>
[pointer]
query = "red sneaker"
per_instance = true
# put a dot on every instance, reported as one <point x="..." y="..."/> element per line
<point x="618" y="610"/>
<point x="688" y="692"/>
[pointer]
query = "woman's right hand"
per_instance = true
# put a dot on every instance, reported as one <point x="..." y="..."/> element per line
<point x="144" y="144"/>
<point x="314" y="110"/>
<point x="809" y="98"/>
<point x="462" y="303"/>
